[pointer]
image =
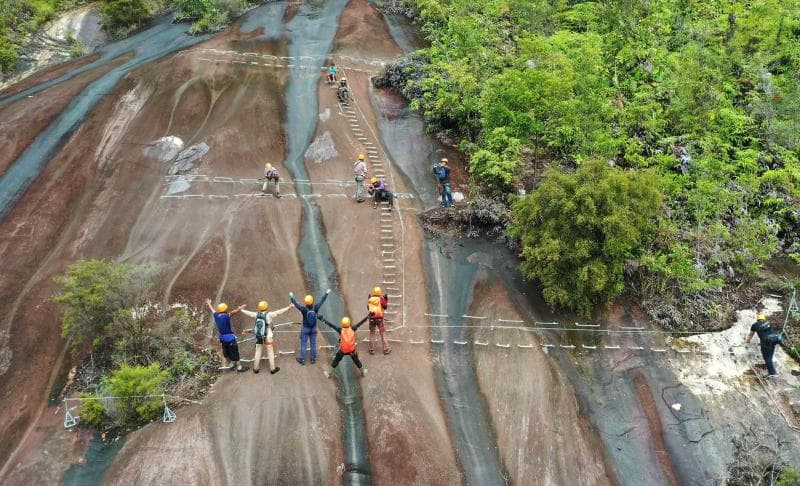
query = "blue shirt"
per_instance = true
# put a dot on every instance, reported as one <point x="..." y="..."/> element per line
<point x="223" y="322"/>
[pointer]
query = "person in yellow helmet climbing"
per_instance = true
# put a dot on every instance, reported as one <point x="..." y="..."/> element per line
<point x="442" y="173"/>
<point x="271" y="175"/>
<point x="262" y="328"/>
<point x="227" y="338"/>
<point x="768" y="340"/>
<point x="347" y="343"/>
<point x="360" y="171"/>
<point x="379" y="192"/>
<point x="343" y="91"/>
<point x="377" y="303"/>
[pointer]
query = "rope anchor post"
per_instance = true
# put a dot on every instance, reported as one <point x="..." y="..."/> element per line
<point x="69" y="420"/>
<point x="169" y="415"/>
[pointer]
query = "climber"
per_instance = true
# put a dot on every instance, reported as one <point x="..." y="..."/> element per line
<point x="376" y="306"/>
<point x="262" y="328"/>
<point x="271" y="174"/>
<point x="347" y="344"/>
<point x="360" y="171"/>
<point x="344" y="91"/>
<point x="442" y="172"/>
<point x="227" y="338"/>
<point x="309" y="329"/>
<point x="377" y="189"/>
<point x="769" y="338"/>
<point x="332" y="73"/>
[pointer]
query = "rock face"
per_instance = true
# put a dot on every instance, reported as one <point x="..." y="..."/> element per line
<point x="322" y="149"/>
<point x="82" y="25"/>
<point x="164" y="149"/>
<point x="186" y="159"/>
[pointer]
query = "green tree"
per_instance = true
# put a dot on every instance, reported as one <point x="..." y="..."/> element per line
<point x="123" y="16"/>
<point x="95" y="292"/>
<point x="579" y="230"/>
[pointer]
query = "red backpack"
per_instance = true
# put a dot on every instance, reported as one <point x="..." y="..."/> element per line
<point x="347" y="342"/>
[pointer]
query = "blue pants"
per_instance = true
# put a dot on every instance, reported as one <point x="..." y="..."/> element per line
<point x="447" y="195"/>
<point x="307" y="334"/>
<point x="768" y="351"/>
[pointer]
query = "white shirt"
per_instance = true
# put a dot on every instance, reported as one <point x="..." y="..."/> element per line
<point x="360" y="168"/>
<point x="270" y="316"/>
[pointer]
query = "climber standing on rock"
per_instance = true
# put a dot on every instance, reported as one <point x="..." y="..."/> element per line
<point x="442" y="172"/>
<point x="262" y="328"/>
<point x="308" y="332"/>
<point x="332" y="73"/>
<point x="271" y="175"/>
<point x="376" y="306"/>
<point x="227" y="338"/>
<point x="769" y="338"/>
<point x="347" y="344"/>
<point x="360" y="172"/>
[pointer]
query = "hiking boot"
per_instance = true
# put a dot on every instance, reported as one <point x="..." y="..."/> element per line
<point x="360" y="200"/>
<point x="277" y="369"/>
<point x="387" y="351"/>
<point x="255" y="371"/>
<point x="328" y="372"/>
<point x="313" y="360"/>
<point x="242" y="369"/>
<point x="302" y="363"/>
<point x="375" y="206"/>
<point x="278" y="195"/>
<point x="363" y="372"/>
<point x="772" y="376"/>
<point x="371" y="351"/>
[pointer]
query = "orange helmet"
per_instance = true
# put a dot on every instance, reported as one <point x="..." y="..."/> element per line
<point x="222" y="307"/>
<point x="262" y="306"/>
<point x="374" y="180"/>
<point x="309" y="300"/>
<point x="445" y="161"/>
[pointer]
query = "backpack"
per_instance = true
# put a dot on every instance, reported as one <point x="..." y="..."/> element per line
<point x="272" y="172"/>
<point x="375" y="308"/>
<point x="311" y="319"/>
<point x="774" y="338"/>
<point x="442" y="173"/>
<point x="347" y="342"/>
<point x="260" y="327"/>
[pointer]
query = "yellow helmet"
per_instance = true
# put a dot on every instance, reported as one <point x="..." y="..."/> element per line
<point x="223" y="307"/>
<point x="445" y="161"/>
<point x="344" y="78"/>
<point x="376" y="292"/>
<point x="262" y="306"/>
<point x="268" y="166"/>
<point x="373" y="180"/>
<point x="309" y="300"/>
<point x="345" y="322"/>
<point x="761" y="317"/>
<point x="361" y="157"/>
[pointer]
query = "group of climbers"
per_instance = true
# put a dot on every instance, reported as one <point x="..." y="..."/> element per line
<point x="377" y="303"/>
<point x="376" y="188"/>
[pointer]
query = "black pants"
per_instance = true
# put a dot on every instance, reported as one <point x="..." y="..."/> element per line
<point x="768" y="351"/>
<point x="230" y="350"/>
<point x="340" y="355"/>
<point x="378" y="196"/>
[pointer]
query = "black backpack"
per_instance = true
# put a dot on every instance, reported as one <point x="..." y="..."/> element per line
<point x="260" y="328"/>
<point x="311" y="319"/>
<point x="774" y="338"/>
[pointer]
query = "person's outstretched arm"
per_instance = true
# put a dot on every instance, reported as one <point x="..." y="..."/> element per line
<point x="331" y="325"/>
<point x="362" y="321"/>
<point x="278" y="312"/>
<point x="294" y="302"/>
<point x="249" y="313"/>
<point x="322" y="300"/>
<point x="237" y="310"/>
<point x="750" y="336"/>
<point x="210" y="307"/>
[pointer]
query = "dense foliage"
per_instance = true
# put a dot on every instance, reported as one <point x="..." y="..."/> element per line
<point x="137" y="348"/>
<point x="18" y="18"/>
<point x="704" y="95"/>
<point x="580" y="230"/>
